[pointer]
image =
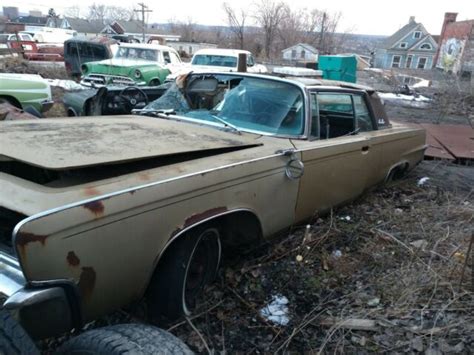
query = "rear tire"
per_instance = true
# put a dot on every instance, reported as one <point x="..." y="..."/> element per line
<point x="125" y="339"/>
<point x="185" y="269"/>
<point x="13" y="338"/>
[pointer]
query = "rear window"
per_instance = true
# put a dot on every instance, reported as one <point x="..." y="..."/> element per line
<point x="215" y="60"/>
<point x="86" y="50"/>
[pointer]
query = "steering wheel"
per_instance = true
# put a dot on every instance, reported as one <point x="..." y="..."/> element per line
<point x="132" y="96"/>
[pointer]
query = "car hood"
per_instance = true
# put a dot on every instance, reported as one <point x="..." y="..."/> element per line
<point x="72" y="143"/>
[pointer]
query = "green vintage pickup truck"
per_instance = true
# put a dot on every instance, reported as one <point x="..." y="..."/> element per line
<point x="133" y="64"/>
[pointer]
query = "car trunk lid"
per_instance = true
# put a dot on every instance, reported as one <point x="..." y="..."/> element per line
<point x="64" y="144"/>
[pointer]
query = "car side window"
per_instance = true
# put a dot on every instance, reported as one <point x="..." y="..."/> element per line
<point x="250" y="60"/>
<point x="336" y="115"/>
<point x="363" y="119"/>
<point x="166" y="56"/>
<point x="174" y="58"/>
<point x="339" y="114"/>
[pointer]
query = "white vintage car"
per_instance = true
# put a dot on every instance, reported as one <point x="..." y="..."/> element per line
<point x="224" y="60"/>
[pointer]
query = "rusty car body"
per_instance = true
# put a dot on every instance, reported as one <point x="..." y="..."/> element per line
<point x="93" y="209"/>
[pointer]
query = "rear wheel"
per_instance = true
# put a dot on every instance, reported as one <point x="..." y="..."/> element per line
<point x="125" y="339"/>
<point x="186" y="268"/>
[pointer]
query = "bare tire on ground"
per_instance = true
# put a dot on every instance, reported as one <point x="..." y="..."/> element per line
<point x="125" y="339"/>
<point x="13" y="338"/>
<point x="185" y="269"/>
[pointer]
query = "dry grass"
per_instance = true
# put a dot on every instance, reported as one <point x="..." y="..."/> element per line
<point x="403" y="251"/>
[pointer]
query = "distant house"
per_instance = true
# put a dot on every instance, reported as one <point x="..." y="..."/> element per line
<point x="300" y="52"/>
<point x="411" y="47"/>
<point x="31" y="20"/>
<point x="88" y="28"/>
<point x="456" y="46"/>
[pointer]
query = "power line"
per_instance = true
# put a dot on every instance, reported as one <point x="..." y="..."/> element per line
<point x="143" y="9"/>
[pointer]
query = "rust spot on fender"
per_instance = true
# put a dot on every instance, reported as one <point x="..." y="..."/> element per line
<point x="96" y="207"/>
<point x="198" y="217"/>
<point x="86" y="282"/>
<point x="24" y="238"/>
<point x="91" y="191"/>
<point x="72" y="259"/>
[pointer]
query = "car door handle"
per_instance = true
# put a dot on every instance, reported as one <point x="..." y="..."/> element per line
<point x="365" y="149"/>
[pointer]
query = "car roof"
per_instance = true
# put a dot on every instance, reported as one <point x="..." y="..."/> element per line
<point x="306" y="83"/>
<point x="218" y="51"/>
<point x="147" y="46"/>
<point x="311" y="82"/>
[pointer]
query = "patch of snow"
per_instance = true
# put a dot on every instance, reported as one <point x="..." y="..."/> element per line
<point x="346" y="218"/>
<point x="68" y="85"/>
<point x="336" y="254"/>
<point x="277" y="310"/>
<point x="422" y="84"/>
<point x="377" y="70"/>
<point x="422" y="181"/>
<point x="392" y="96"/>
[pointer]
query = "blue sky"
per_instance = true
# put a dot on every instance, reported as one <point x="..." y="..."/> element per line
<point x="362" y="16"/>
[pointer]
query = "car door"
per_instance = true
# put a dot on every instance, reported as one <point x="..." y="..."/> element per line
<point x="339" y="156"/>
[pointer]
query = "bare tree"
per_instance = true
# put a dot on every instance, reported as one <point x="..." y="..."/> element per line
<point x="292" y="27"/>
<point x="120" y="13"/>
<point x="312" y="26"/>
<point x="322" y="30"/>
<point x="97" y="12"/>
<point x="72" y="11"/>
<point x="236" y="21"/>
<point x="268" y="15"/>
<point x="187" y="30"/>
<point x="110" y="13"/>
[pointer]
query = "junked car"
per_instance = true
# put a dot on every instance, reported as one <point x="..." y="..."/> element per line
<point x="224" y="60"/>
<point x="78" y="51"/>
<point x="110" y="100"/>
<point x="26" y="91"/>
<point x="132" y="64"/>
<point x="98" y="213"/>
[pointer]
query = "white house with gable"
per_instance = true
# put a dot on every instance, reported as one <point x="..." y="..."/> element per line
<point x="300" y="52"/>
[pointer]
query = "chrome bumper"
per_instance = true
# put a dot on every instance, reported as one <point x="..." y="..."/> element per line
<point x="43" y="309"/>
<point x="46" y="105"/>
<point x="11" y="276"/>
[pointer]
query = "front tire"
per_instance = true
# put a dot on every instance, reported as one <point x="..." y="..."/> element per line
<point x="154" y="82"/>
<point x="125" y="339"/>
<point x="13" y="338"/>
<point x="185" y="269"/>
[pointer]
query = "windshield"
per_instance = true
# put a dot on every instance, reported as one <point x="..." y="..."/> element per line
<point x="137" y="53"/>
<point x="244" y="103"/>
<point x="215" y="60"/>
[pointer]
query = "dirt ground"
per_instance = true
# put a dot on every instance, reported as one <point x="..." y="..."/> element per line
<point x="452" y="99"/>
<point x="389" y="273"/>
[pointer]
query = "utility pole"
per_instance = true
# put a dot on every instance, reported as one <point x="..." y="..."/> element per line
<point x="144" y="9"/>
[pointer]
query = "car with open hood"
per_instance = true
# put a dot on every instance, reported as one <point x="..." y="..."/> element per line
<point x="99" y="212"/>
<point x="132" y="64"/>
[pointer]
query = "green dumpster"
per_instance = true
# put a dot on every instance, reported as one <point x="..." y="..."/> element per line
<point x="339" y="67"/>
